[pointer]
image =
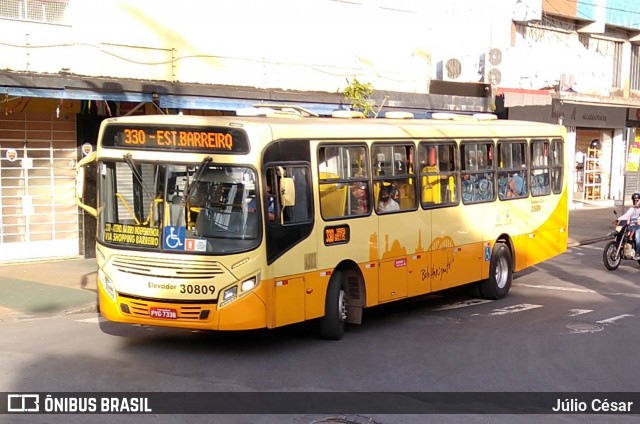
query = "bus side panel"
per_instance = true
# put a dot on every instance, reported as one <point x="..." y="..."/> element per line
<point x="551" y="236"/>
<point x="248" y="312"/>
<point x="393" y="279"/>
<point x="289" y="283"/>
<point x="405" y="259"/>
<point x="455" y="266"/>
<point x="315" y="284"/>
<point x="361" y="249"/>
<point x="289" y="300"/>
<point x="520" y="254"/>
<point x="418" y="278"/>
<point x="456" y="254"/>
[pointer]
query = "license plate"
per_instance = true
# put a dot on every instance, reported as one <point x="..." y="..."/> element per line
<point x="164" y="313"/>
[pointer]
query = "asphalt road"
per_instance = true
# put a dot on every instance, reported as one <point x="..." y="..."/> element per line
<point x="567" y="326"/>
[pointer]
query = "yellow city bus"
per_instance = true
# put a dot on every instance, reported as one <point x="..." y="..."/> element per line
<point x="248" y="222"/>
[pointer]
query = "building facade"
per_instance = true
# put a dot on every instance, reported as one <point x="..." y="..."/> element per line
<point x="65" y="65"/>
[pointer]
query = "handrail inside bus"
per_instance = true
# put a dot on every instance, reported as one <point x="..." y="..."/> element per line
<point x="126" y="205"/>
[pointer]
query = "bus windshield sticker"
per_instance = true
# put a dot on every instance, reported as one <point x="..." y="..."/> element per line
<point x="173" y="238"/>
<point x="195" y="245"/>
<point x="131" y="234"/>
<point x="338" y="234"/>
<point x="195" y="139"/>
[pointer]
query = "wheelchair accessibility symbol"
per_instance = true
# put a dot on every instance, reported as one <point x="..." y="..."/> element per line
<point x="173" y="238"/>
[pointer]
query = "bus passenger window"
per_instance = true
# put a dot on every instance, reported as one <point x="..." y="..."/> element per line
<point x="512" y="173"/>
<point x="343" y="180"/>
<point x="557" y="164"/>
<point x="540" y="184"/>
<point x="397" y="181"/>
<point x="477" y="183"/>
<point x="438" y="176"/>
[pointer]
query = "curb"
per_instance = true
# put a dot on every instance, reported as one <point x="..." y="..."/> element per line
<point x="17" y="316"/>
<point x="592" y="241"/>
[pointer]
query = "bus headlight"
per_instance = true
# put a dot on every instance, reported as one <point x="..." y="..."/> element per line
<point x="250" y="283"/>
<point x="229" y="294"/>
<point x="107" y="285"/>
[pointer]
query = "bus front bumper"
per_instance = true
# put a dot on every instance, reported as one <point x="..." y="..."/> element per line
<point x="246" y="313"/>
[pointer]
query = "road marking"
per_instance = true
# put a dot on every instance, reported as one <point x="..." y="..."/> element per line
<point x="571" y="289"/>
<point x="613" y="319"/>
<point x="581" y="328"/>
<point x="512" y="309"/>
<point x="636" y="296"/>
<point x="576" y="312"/>
<point x="462" y="304"/>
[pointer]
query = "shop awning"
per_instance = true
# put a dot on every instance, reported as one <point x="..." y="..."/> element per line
<point x="173" y="101"/>
<point x="522" y="97"/>
<point x="54" y="93"/>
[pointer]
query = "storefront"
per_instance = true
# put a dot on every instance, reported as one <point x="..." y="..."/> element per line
<point x="39" y="216"/>
<point x="597" y="143"/>
<point x="632" y="166"/>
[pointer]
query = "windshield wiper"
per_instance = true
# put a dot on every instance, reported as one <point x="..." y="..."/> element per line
<point x="134" y="171"/>
<point x="194" y="180"/>
<point x="196" y="177"/>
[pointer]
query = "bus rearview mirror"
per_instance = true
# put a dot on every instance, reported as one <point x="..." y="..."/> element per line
<point x="287" y="192"/>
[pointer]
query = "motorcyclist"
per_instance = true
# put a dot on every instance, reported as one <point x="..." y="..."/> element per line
<point x="631" y="216"/>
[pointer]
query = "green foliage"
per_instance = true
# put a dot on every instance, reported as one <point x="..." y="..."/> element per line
<point x="358" y="95"/>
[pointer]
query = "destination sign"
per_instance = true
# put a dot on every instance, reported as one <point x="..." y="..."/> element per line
<point x="338" y="234"/>
<point x="131" y="234"/>
<point x="195" y="139"/>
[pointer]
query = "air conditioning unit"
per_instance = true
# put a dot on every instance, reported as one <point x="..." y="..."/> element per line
<point x="460" y="69"/>
<point x="493" y="72"/>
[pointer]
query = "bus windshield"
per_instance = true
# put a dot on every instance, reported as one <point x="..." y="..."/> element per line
<point x="204" y="208"/>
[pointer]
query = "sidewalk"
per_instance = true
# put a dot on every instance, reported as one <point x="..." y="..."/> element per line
<point x="47" y="288"/>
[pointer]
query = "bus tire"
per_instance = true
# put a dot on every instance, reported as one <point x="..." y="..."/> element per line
<point x="500" y="273"/>
<point x="335" y="310"/>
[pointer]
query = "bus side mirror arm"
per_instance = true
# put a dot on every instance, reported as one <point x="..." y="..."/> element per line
<point x="80" y="174"/>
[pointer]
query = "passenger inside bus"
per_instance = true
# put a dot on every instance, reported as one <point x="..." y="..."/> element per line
<point x="270" y="204"/>
<point x="359" y="199"/>
<point x="385" y="202"/>
<point x="516" y="186"/>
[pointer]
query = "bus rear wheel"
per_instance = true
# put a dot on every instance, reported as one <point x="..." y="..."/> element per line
<point x="335" y="310"/>
<point x="500" y="273"/>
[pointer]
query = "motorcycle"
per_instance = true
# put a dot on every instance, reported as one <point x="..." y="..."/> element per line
<point x="621" y="247"/>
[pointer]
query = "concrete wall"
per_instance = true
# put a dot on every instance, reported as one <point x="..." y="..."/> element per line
<point x="291" y="44"/>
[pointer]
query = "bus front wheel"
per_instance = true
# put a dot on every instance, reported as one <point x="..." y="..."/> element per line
<point x="335" y="310"/>
<point x="500" y="273"/>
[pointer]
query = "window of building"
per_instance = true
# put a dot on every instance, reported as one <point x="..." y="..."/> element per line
<point x="49" y="11"/>
<point x="635" y="67"/>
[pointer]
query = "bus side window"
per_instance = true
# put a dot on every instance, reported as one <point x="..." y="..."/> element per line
<point x="512" y="174"/>
<point x="395" y="189"/>
<point x="540" y="184"/>
<point x="438" y="174"/>
<point x="301" y="210"/>
<point x="478" y="176"/>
